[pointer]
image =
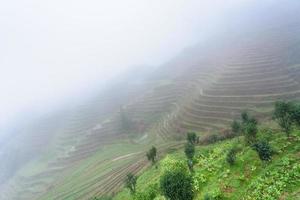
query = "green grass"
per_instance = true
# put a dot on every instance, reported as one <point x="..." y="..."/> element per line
<point x="249" y="178"/>
<point x="99" y="164"/>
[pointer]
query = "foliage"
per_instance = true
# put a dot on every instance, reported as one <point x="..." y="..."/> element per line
<point x="231" y="156"/>
<point x="151" y="154"/>
<point x="191" y="137"/>
<point x="189" y="151"/>
<point x="248" y="127"/>
<point x="215" y="195"/>
<point x="149" y="193"/>
<point x="271" y="184"/>
<point x="177" y="185"/>
<point x="266" y="133"/>
<point x="283" y="115"/>
<point x="248" y="179"/>
<point x="130" y="182"/>
<point x="208" y="197"/>
<point x="245" y="117"/>
<point x="172" y="164"/>
<point x="264" y="150"/>
<point x="250" y="131"/>
<point x="209" y="167"/>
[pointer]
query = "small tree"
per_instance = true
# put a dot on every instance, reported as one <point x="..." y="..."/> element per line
<point x="177" y="185"/>
<point x="191" y="137"/>
<point x="250" y="131"/>
<point x="236" y="127"/>
<point x="231" y="156"/>
<point x="130" y="182"/>
<point x="283" y="115"/>
<point x="151" y="155"/>
<point x="189" y="151"/>
<point x="264" y="150"/>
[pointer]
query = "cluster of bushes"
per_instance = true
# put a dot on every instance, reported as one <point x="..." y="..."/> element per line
<point x="220" y="136"/>
<point x="287" y="114"/>
<point x="177" y="181"/>
<point x="248" y="128"/>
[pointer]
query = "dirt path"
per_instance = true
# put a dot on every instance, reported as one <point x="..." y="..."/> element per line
<point x="125" y="156"/>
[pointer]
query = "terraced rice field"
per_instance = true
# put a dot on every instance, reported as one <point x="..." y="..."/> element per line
<point x="88" y="154"/>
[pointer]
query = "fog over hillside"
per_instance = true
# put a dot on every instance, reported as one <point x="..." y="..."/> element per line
<point x="54" y="50"/>
<point x="73" y="72"/>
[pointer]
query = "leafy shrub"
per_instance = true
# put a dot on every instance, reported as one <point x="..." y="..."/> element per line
<point x="171" y="164"/>
<point x="130" y="182"/>
<point x="189" y="151"/>
<point x="177" y="185"/>
<point x="231" y="156"/>
<point x="283" y="114"/>
<point x="266" y="134"/>
<point x="264" y="150"/>
<point x="250" y="131"/>
<point x="151" y="154"/>
<point x="191" y="137"/>
<point x="213" y="138"/>
<point x="245" y="116"/>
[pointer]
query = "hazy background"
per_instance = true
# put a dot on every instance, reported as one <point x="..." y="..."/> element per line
<point x="54" y="50"/>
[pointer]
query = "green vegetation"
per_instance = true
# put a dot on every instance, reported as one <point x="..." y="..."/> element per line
<point x="191" y="137"/>
<point x="286" y="115"/>
<point x="151" y="155"/>
<point x="177" y="185"/>
<point x="130" y="182"/>
<point x="231" y="156"/>
<point x="264" y="150"/>
<point x="189" y="151"/>
<point x="269" y="169"/>
<point x="283" y="115"/>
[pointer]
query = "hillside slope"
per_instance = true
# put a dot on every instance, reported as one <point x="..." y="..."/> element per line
<point x="247" y="179"/>
<point x="87" y="151"/>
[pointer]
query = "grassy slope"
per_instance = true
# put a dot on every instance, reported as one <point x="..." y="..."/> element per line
<point x="249" y="178"/>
